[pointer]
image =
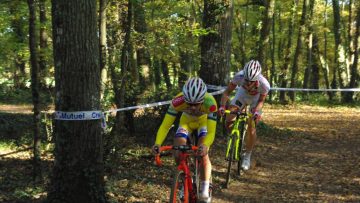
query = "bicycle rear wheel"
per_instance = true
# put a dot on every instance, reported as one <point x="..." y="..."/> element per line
<point x="231" y="144"/>
<point x="243" y="130"/>
<point x="178" y="194"/>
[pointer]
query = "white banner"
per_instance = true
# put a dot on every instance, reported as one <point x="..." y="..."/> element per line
<point x="78" y="115"/>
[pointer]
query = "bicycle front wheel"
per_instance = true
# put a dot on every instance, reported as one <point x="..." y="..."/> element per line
<point x="231" y="144"/>
<point x="179" y="189"/>
<point x="243" y="129"/>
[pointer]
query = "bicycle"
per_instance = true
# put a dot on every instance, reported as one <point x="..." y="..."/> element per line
<point x="184" y="188"/>
<point x="235" y="143"/>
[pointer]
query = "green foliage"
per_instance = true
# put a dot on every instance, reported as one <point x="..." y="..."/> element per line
<point x="28" y="193"/>
<point x="15" y="129"/>
<point x="10" y="95"/>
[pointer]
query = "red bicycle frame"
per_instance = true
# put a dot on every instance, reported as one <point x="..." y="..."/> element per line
<point x="182" y="166"/>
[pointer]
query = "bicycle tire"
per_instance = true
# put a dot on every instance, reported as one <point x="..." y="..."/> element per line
<point x="196" y="175"/>
<point x="241" y="145"/>
<point x="178" y="183"/>
<point x="230" y="160"/>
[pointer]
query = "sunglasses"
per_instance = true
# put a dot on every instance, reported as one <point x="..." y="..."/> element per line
<point x="193" y="104"/>
<point x="248" y="81"/>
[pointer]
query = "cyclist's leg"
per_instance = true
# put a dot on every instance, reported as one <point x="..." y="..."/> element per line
<point x="205" y="173"/>
<point x="251" y="133"/>
<point x="181" y="135"/>
<point x="250" y="138"/>
<point x="205" y="163"/>
<point x="237" y="103"/>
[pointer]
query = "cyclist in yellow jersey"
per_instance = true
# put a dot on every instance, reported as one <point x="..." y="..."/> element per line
<point x="198" y="109"/>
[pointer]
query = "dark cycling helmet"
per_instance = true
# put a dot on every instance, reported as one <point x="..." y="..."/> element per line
<point x="194" y="90"/>
<point x="252" y="70"/>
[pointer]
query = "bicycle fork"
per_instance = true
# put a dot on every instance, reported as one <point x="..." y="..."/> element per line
<point x="188" y="185"/>
<point x="237" y="141"/>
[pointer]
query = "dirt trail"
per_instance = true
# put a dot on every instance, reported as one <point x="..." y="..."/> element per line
<point x="317" y="161"/>
<point x="311" y="155"/>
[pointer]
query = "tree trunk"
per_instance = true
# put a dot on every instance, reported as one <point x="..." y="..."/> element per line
<point x="243" y="36"/>
<point x="142" y="53"/>
<point x="102" y="44"/>
<point x="78" y="173"/>
<point x="43" y="66"/>
<point x="17" y="25"/>
<point x="114" y="40"/>
<point x="263" y="47"/>
<point x="308" y="69"/>
<point x="185" y="67"/>
<point x="35" y="90"/>
<point x="129" y="75"/>
<point x="297" y="53"/>
<point x="354" y="79"/>
<point x="216" y="46"/>
<point x="283" y="76"/>
<point x="315" y="70"/>
<point x="325" y="64"/>
<point x="272" y="73"/>
<point x="240" y="30"/>
<point x="165" y="72"/>
<point x="339" y="66"/>
<point x="349" y="36"/>
<point x="281" y="44"/>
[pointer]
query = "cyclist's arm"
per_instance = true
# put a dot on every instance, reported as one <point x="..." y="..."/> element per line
<point x="211" y="129"/>
<point x="225" y="96"/>
<point x="165" y="125"/>
<point x="260" y="102"/>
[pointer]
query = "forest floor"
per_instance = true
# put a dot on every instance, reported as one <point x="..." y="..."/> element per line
<point x="303" y="154"/>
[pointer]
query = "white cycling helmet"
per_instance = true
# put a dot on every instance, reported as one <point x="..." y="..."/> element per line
<point x="194" y="90"/>
<point x="252" y="70"/>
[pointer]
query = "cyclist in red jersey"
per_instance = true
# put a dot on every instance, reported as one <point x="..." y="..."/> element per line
<point x="198" y="109"/>
<point x="252" y="90"/>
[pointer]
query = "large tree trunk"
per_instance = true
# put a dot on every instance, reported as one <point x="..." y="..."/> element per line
<point x="216" y="46"/>
<point x="283" y="75"/>
<point x="35" y="90"/>
<point x="297" y="53"/>
<point x="263" y="44"/>
<point x="78" y="173"/>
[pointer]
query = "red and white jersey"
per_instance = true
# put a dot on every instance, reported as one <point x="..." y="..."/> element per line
<point x="262" y="86"/>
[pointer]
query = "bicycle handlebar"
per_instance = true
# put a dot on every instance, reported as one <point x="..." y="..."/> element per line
<point x="236" y="113"/>
<point x="182" y="148"/>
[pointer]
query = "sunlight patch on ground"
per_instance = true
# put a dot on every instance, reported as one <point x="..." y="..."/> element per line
<point x="8" y="152"/>
<point x="335" y="197"/>
<point x="18" y="108"/>
<point x="357" y="180"/>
